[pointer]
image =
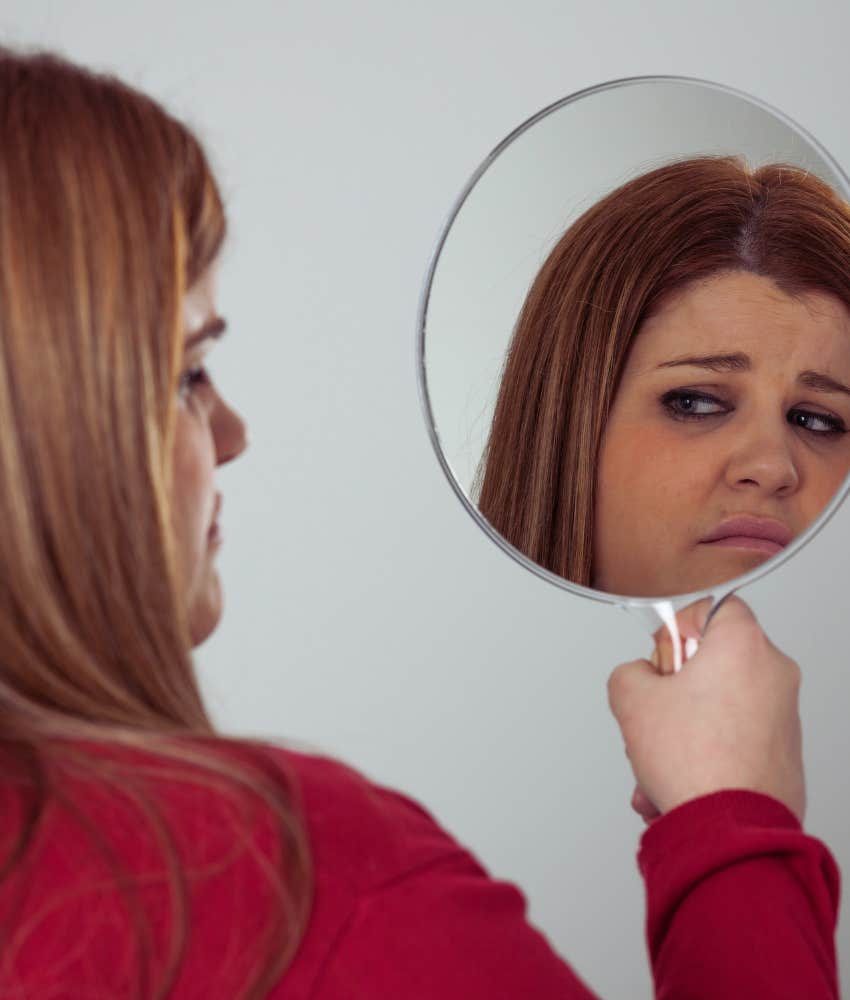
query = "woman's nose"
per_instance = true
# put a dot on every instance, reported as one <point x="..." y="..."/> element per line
<point x="762" y="459"/>
<point x="229" y="432"/>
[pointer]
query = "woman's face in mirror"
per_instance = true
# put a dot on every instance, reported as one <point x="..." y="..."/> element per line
<point x="208" y="433"/>
<point x="733" y="403"/>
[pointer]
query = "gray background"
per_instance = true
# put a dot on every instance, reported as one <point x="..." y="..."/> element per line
<point x="366" y="614"/>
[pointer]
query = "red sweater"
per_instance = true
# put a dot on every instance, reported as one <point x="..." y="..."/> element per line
<point x="741" y="903"/>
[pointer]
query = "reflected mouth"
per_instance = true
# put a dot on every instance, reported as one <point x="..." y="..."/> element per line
<point x="757" y="534"/>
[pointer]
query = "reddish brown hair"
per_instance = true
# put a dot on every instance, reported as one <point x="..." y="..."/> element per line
<point x="678" y="224"/>
<point x="108" y="212"/>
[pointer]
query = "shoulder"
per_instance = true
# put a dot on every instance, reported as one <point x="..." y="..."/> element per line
<point x="113" y="851"/>
<point x="367" y="833"/>
<point x="364" y="832"/>
<point x="403" y="910"/>
<point x="117" y="863"/>
<point x="399" y="907"/>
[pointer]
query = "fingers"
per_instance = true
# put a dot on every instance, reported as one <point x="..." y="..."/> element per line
<point x="663" y="657"/>
<point x="691" y="623"/>
<point x="728" y="721"/>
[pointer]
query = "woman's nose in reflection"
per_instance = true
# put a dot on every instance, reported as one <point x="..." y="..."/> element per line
<point x="762" y="458"/>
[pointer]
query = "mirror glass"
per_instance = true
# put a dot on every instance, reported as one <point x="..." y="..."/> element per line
<point x="635" y="340"/>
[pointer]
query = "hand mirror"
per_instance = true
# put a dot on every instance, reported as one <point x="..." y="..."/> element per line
<point x="634" y="343"/>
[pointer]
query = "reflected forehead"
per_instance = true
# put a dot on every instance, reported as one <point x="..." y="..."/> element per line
<point x="743" y="313"/>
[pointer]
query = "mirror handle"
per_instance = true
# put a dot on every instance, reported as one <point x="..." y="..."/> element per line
<point x="654" y="614"/>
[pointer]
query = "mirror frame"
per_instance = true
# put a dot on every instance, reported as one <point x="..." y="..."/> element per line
<point x="637" y="604"/>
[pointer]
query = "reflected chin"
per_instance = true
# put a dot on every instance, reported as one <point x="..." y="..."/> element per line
<point x="726" y="563"/>
<point x="701" y="567"/>
<point x="746" y="557"/>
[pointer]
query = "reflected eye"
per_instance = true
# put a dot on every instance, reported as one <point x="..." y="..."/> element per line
<point x="821" y="424"/>
<point x="684" y="405"/>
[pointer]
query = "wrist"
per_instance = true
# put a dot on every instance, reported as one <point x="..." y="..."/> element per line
<point x="791" y="798"/>
<point x="739" y="806"/>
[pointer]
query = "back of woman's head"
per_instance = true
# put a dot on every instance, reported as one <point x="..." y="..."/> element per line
<point x="108" y="212"/>
<point x="619" y="262"/>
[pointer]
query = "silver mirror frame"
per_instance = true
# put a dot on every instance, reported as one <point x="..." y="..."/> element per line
<point x="648" y="608"/>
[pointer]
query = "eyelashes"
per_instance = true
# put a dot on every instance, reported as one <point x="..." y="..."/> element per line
<point x="834" y="426"/>
<point x="194" y="377"/>
<point x="687" y="405"/>
<point x="684" y="405"/>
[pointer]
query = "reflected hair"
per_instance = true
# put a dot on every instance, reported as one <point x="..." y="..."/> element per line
<point x="675" y="226"/>
<point x="108" y="212"/>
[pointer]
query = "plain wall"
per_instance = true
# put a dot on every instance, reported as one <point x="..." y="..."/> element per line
<point x="365" y="613"/>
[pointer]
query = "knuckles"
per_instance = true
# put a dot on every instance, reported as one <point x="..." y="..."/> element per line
<point x="615" y="684"/>
<point x="621" y="683"/>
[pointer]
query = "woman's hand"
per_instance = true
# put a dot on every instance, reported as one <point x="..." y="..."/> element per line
<point x="728" y="719"/>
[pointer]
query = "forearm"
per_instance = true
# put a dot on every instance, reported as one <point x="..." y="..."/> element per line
<point x="740" y="902"/>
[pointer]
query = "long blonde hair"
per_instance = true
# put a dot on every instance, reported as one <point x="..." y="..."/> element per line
<point x="108" y="212"/>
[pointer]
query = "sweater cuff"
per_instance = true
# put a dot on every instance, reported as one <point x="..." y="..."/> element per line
<point x="740" y="806"/>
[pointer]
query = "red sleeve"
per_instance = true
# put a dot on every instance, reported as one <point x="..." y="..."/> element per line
<point x="741" y="905"/>
<point x="740" y="902"/>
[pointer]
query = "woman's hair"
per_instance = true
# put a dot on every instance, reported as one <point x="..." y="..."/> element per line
<point x="108" y="212"/>
<point x="677" y="225"/>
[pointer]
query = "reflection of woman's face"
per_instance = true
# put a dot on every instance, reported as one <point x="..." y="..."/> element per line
<point x="734" y="402"/>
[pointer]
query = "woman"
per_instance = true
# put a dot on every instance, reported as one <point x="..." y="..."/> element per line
<point x="675" y="401"/>
<point x="143" y="853"/>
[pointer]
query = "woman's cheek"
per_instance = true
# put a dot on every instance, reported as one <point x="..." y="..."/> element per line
<point x="820" y="486"/>
<point x="638" y="456"/>
<point x="192" y="484"/>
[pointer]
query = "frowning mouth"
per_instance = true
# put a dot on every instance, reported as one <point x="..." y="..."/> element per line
<point x="757" y="534"/>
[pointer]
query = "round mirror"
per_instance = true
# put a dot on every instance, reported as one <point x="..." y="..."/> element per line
<point x="634" y="341"/>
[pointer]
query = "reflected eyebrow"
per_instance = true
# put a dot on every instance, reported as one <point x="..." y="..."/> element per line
<point x="213" y="328"/>
<point x="741" y="363"/>
<point x="822" y="383"/>
<point x="714" y="362"/>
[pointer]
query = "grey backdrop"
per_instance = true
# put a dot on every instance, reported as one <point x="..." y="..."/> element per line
<point x="366" y="615"/>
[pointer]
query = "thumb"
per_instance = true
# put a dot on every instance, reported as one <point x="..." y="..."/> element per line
<point x="732" y="611"/>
